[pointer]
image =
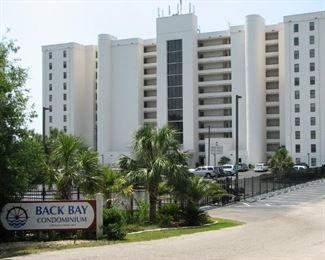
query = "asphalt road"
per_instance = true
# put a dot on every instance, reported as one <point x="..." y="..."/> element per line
<point x="288" y="226"/>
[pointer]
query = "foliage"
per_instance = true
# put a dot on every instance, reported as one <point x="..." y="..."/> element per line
<point x="224" y="160"/>
<point x="193" y="216"/>
<point x="112" y="183"/>
<point x="113" y="224"/>
<point x="156" y="157"/>
<point x="281" y="160"/>
<point x="142" y="214"/>
<point x="71" y="164"/>
<point x="17" y="145"/>
<point x="169" y="215"/>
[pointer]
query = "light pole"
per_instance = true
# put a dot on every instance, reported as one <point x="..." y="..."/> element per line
<point x="43" y="132"/>
<point x="308" y="154"/>
<point x="209" y="139"/>
<point x="236" y="184"/>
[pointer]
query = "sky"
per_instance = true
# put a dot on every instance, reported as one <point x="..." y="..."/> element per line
<point x="42" y="22"/>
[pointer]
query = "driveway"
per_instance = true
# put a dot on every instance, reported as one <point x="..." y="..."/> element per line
<point x="288" y="226"/>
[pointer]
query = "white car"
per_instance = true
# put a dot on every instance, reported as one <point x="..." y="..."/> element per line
<point x="204" y="171"/>
<point x="229" y="169"/>
<point x="261" y="167"/>
<point x="299" y="168"/>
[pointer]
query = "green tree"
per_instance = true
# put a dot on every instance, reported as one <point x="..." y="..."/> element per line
<point x="18" y="149"/>
<point x="156" y="157"/>
<point x="73" y="165"/>
<point x="112" y="183"/>
<point x="224" y="160"/>
<point x="281" y="160"/>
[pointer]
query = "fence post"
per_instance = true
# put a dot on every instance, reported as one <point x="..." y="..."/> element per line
<point x="252" y="186"/>
<point x="244" y="188"/>
<point x="259" y="179"/>
<point x="273" y="181"/>
<point x="99" y="215"/>
<point x="267" y="185"/>
<point x="43" y="193"/>
<point x="78" y="193"/>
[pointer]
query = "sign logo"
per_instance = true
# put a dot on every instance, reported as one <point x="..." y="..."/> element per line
<point x="45" y="215"/>
<point x="17" y="217"/>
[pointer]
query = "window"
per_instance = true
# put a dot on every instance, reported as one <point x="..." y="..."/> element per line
<point x="312" y="134"/>
<point x="64" y="107"/>
<point x="312" y="80"/>
<point x="50" y="76"/>
<point x="296" y="27"/>
<point x="312" y="107"/>
<point x="50" y="119"/>
<point x="50" y="65"/>
<point x="297" y="135"/>
<point x="312" y="39"/>
<point x="296" y="41"/>
<point x="297" y="94"/>
<point x="64" y="85"/>
<point x="313" y="148"/>
<point x="50" y="87"/>
<point x="312" y="93"/>
<point x="297" y="121"/>
<point x="297" y="148"/>
<point x="64" y="54"/>
<point x="313" y="120"/>
<point x="64" y="96"/>
<point x="64" y="118"/>
<point x="296" y="55"/>
<point x="312" y="53"/>
<point x="296" y="67"/>
<point x="64" y="75"/>
<point x="311" y="26"/>
<point x="313" y="162"/>
<point x="65" y="129"/>
<point x="296" y="81"/>
<point x="50" y="55"/>
<point x="297" y="108"/>
<point x="50" y="98"/>
<point x="312" y="66"/>
<point x="50" y="108"/>
<point x="64" y="64"/>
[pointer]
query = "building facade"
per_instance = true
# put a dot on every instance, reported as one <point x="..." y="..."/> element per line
<point x="189" y="80"/>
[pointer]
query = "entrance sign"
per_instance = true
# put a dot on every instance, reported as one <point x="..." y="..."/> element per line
<point x="49" y="215"/>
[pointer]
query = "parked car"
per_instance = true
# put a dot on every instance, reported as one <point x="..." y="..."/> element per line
<point x="261" y="167"/>
<point x="242" y="167"/>
<point x="204" y="171"/>
<point x="299" y="168"/>
<point x="230" y="169"/>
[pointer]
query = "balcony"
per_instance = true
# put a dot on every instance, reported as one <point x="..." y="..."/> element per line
<point x="214" y="71"/>
<point x="150" y="54"/>
<point x="272" y="79"/>
<point x="214" y="106"/>
<point x="214" y="118"/>
<point x="149" y="76"/>
<point x="214" y="48"/>
<point x="214" y="59"/>
<point x="214" y="83"/>
<point x="272" y="54"/>
<point x="272" y="42"/>
<point x="150" y="120"/>
<point x="152" y="98"/>
<point x="214" y="95"/>
<point x="149" y="65"/>
<point x="271" y="66"/>
<point x="272" y="91"/>
<point x="215" y="130"/>
<point x="150" y="87"/>
<point x="150" y="109"/>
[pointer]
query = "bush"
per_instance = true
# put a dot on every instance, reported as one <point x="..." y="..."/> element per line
<point x="193" y="216"/>
<point x="114" y="224"/>
<point x="142" y="214"/>
<point x="169" y="215"/>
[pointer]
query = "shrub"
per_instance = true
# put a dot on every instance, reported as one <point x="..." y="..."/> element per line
<point x="193" y="216"/>
<point x="169" y="215"/>
<point x="114" y="224"/>
<point x="142" y="214"/>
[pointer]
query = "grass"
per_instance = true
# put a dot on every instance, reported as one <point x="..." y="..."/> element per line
<point x="145" y="236"/>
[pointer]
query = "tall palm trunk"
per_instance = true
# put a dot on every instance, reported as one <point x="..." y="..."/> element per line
<point x="153" y="194"/>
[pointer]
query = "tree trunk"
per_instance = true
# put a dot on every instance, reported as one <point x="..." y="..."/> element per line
<point x="153" y="194"/>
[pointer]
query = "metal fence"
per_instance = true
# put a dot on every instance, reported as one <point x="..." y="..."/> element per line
<point x="43" y="194"/>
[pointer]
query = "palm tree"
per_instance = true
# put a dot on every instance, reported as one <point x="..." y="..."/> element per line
<point x="157" y="157"/>
<point x="74" y="165"/>
<point x="110" y="182"/>
<point x="281" y="160"/>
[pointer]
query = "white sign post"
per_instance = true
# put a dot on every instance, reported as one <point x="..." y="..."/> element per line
<point x="49" y="215"/>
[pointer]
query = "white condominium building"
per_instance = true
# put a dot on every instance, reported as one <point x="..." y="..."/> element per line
<point x="189" y="80"/>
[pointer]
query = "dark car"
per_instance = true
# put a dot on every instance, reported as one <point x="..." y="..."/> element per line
<point x="242" y="167"/>
<point x="219" y="172"/>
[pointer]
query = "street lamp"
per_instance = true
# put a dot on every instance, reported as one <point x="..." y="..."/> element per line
<point x="209" y="140"/>
<point x="236" y="184"/>
<point x="43" y="132"/>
